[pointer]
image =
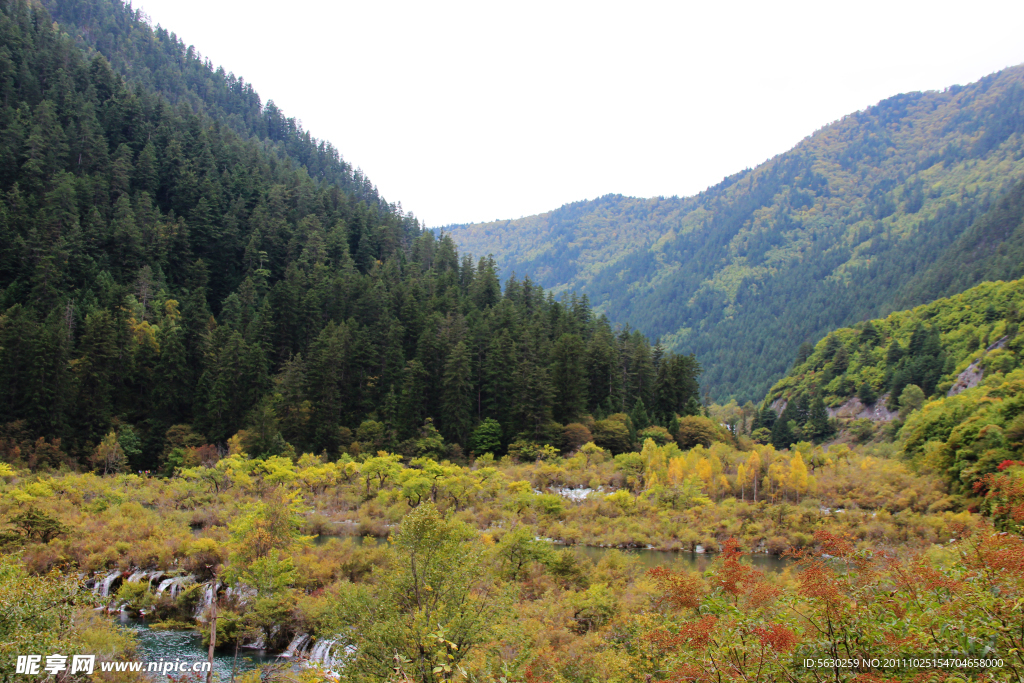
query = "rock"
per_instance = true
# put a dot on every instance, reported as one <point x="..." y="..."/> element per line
<point x="854" y="409"/>
<point x="972" y="376"/>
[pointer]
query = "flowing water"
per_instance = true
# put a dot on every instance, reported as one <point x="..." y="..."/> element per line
<point x="161" y="644"/>
<point x="156" y="644"/>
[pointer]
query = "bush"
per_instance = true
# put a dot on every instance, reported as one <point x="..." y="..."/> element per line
<point x="911" y="399"/>
<point x="203" y="558"/>
<point x="575" y="436"/>
<point x="862" y="430"/>
<point x="593" y="608"/>
<point x="486" y="437"/>
<point x="549" y="504"/>
<point x="695" y="430"/>
<point x="569" y="568"/>
<point x="524" y="450"/>
<point x="659" y="435"/>
<point x="136" y="595"/>
<point x="612" y="435"/>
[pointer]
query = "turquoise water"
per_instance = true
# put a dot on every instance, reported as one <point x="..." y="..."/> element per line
<point x="157" y="644"/>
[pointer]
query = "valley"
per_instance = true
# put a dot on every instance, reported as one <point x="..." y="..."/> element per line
<point x="252" y="411"/>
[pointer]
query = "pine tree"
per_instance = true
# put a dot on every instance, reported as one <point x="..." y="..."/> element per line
<point x="568" y="379"/>
<point x="638" y="416"/>
<point x="175" y="379"/>
<point x="821" y="426"/>
<point x="456" y="395"/>
<point x="783" y="435"/>
<point x="867" y="394"/>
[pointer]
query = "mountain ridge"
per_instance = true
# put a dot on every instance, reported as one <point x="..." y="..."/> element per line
<point x="159" y="59"/>
<point x="877" y="196"/>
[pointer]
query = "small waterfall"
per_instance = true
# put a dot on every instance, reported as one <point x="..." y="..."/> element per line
<point x="102" y="588"/>
<point x="153" y="577"/>
<point x="322" y="651"/>
<point x="297" y="646"/>
<point x="181" y="583"/>
<point x="258" y="644"/>
<point x="209" y="596"/>
<point x="327" y="656"/>
<point x="163" y="586"/>
<point x="174" y="585"/>
<point x="136" y="577"/>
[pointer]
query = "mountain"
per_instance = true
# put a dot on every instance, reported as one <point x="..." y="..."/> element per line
<point x="159" y="61"/>
<point x="952" y="368"/>
<point x="867" y="215"/>
<point x="992" y="248"/>
<point x="180" y="265"/>
<point x="929" y="346"/>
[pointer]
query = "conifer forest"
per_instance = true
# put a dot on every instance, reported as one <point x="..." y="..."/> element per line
<point x="254" y="414"/>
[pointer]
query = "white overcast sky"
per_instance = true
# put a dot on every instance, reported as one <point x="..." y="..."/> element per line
<point x="476" y="111"/>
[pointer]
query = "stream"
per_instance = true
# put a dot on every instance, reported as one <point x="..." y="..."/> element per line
<point x="156" y="644"/>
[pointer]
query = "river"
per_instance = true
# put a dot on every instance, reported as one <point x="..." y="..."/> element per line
<point x="159" y="644"/>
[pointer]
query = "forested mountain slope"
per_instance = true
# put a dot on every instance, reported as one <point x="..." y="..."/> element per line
<point x="160" y="61"/>
<point x="826" y="234"/>
<point x="928" y="346"/>
<point x="167" y="279"/>
<point x="991" y="249"/>
<point x="952" y="368"/>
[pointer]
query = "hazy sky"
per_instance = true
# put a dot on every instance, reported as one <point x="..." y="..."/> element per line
<point x="474" y="111"/>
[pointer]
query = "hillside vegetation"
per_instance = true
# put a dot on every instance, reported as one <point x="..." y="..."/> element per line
<point x="867" y="215"/>
<point x="929" y="346"/>
<point x="229" y="370"/>
<point x="157" y="60"/>
<point x="952" y="369"/>
<point x="166" y="280"/>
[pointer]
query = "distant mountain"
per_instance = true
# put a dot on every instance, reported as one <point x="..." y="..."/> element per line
<point x="869" y="214"/>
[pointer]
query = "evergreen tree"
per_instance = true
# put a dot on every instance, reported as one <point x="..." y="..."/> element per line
<point x="169" y="267"/>
<point x="783" y="435"/>
<point x="867" y="394"/>
<point x="822" y="427"/>
<point x="456" y="395"/>
<point x="568" y="379"/>
<point x="638" y="415"/>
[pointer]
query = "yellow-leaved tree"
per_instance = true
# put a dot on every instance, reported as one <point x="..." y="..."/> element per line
<point x="798" y="479"/>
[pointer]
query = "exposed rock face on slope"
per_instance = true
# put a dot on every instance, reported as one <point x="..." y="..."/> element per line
<point x="854" y="409"/>
<point x="972" y="376"/>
